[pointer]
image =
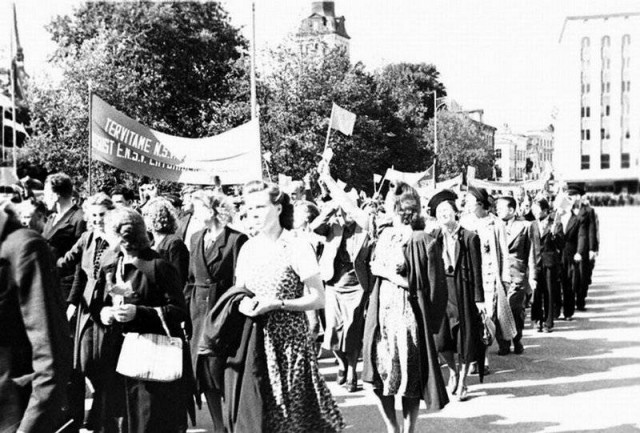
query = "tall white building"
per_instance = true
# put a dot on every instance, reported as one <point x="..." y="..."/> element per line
<point x="597" y="136"/>
<point x="511" y="154"/>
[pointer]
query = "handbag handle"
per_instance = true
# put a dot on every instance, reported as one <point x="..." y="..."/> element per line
<point x="164" y="323"/>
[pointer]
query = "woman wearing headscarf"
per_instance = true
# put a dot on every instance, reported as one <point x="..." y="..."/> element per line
<point x="135" y="283"/>
<point x="400" y="357"/>
<point x="455" y="265"/>
<point x="495" y="256"/>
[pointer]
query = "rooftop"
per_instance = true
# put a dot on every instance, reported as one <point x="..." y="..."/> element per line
<point x="595" y="17"/>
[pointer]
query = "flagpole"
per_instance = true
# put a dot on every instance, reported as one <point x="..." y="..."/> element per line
<point x="435" y="138"/>
<point x="89" y="176"/>
<point x="254" y="104"/>
<point x="326" y="142"/>
<point x="13" y="93"/>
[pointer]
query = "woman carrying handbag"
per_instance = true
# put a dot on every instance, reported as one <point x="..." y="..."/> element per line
<point x="140" y="298"/>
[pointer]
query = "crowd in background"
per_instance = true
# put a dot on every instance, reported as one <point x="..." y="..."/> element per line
<point x="256" y="285"/>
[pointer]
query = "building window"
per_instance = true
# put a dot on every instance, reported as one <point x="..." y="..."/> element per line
<point x="625" y="160"/>
<point x="584" y="165"/>
<point x="588" y="134"/>
<point x="498" y="153"/>
<point x="588" y="111"/>
<point x="607" y="110"/>
<point x="604" y="161"/>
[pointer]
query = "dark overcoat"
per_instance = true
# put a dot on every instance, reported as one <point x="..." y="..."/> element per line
<point x="211" y="273"/>
<point x="469" y="290"/>
<point x="35" y="340"/>
<point x="146" y="406"/>
<point x="428" y="304"/>
<point x="174" y="251"/>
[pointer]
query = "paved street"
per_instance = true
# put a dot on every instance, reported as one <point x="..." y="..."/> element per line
<point x="585" y="376"/>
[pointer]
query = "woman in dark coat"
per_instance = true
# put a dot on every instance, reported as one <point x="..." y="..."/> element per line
<point x="161" y="220"/>
<point x="214" y="254"/>
<point x="455" y="266"/>
<point x="133" y="281"/>
<point x="87" y="253"/>
<point x="400" y="356"/>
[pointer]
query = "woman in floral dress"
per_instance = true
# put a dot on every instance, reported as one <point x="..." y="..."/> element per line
<point x="400" y="357"/>
<point x="276" y="266"/>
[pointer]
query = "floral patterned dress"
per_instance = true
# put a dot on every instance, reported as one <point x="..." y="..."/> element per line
<point x="397" y="355"/>
<point x="297" y="399"/>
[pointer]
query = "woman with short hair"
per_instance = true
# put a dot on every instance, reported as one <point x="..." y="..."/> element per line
<point x="87" y="252"/>
<point x="161" y="220"/>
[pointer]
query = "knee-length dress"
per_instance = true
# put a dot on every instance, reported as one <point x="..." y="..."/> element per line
<point x="397" y="355"/>
<point x="297" y="398"/>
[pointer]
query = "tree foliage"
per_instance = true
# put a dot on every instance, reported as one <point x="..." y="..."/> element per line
<point x="176" y="67"/>
<point x="462" y="142"/>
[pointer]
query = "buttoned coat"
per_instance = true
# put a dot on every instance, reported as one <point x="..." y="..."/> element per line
<point x="523" y="241"/>
<point x="35" y="342"/>
<point x="580" y="236"/>
<point x="211" y="273"/>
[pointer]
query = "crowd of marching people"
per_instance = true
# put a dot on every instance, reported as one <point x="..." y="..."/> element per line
<point x="159" y="301"/>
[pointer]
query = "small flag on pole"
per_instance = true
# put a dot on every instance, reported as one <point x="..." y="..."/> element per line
<point x="342" y="120"/>
<point x="377" y="178"/>
<point x="327" y="155"/>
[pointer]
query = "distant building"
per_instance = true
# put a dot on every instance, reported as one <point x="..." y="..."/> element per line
<point x="598" y="124"/>
<point x="511" y="154"/>
<point x="539" y="155"/>
<point x="322" y="30"/>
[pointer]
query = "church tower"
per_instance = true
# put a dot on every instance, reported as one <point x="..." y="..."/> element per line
<point x="322" y="30"/>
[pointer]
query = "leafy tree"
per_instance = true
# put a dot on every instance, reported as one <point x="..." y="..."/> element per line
<point x="392" y="109"/>
<point x="176" y="67"/>
<point x="461" y="142"/>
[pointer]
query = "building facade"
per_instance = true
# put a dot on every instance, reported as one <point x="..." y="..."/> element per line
<point x="322" y="30"/>
<point x="598" y="124"/>
<point x="511" y="153"/>
<point x="539" y="155"/>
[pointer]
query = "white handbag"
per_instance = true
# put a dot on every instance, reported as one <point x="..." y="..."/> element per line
<point x="151" y="357"/>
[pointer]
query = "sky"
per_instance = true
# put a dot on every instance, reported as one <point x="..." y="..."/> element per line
<point x="501" y="56"/>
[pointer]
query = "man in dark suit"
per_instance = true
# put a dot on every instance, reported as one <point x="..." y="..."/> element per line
<point x="63" y="227"/>
<point x="580" y="248"/>
<point x="523" y="241"/>
<point x="35" y="343"/>
<point x="546" y="299"/>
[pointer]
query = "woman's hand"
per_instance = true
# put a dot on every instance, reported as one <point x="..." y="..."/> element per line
<point x="71" y="310"/>
<point x="257" y="306"/>
<point x="481" y="307"/>
<point x="106" y="315"/>
<point x="124" y="313"/>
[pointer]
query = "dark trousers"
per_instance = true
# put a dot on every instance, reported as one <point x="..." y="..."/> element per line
<point x="581" y="282"/>
<point x="517" y="296"/>
<point x="545" y="296"/>
<point x="570" y="279"/>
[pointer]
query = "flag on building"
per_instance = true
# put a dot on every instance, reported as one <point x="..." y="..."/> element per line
<point x="342" y="120"/>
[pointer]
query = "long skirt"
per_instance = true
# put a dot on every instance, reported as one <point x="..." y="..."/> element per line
<point x="344" y="312"/>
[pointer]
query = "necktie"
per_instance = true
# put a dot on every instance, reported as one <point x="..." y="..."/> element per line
<point x="101" y="246"/>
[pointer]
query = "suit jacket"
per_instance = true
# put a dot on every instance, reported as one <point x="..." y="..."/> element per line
<point x="183" y="223"/>
<point x="35" y="343"/>
<point x="523" y="241"/>
<point x="551" y="243"/>
<point x="61" y="236"/>
<point x="579" y="236"/>
<point x="333" y="232"/>
<point x="211" y="273"/>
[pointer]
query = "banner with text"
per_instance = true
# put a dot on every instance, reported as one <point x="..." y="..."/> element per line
<point x="122" y="142"/>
